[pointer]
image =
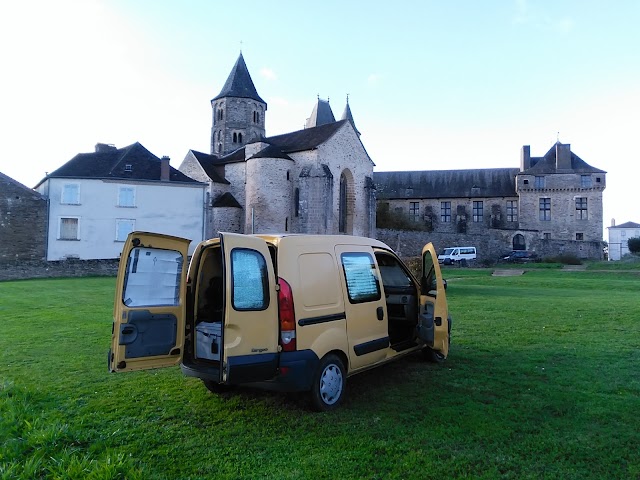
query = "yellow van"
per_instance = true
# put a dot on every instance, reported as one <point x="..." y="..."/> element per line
<point x="287" y="312"/>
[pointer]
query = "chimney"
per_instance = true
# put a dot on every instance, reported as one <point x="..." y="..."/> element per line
<point x="105" y="147"/>
<point x="164" y="169"/>
<point x="613" y="222"/>
<point x="563" y="156"/>
<point x="525" y="157"/>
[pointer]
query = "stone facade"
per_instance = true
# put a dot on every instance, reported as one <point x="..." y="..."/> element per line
<point x="316" y="180"/>
<point x="551" y="205"/>
<point x="23" y="222"/>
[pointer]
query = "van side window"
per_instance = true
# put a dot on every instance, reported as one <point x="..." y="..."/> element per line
<point x="360" y="275"/>
<point x="250" y="281"/>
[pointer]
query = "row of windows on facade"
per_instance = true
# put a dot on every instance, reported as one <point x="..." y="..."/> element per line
<point x="512" y="210"/>
<point x="585" y="181"/>
<point x="71" y="195"/>
<point x="220" y="115"/>
<point x="69" y="228"/>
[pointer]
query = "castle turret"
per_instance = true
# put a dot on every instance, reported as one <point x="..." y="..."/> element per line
<point x="238" y="112"/>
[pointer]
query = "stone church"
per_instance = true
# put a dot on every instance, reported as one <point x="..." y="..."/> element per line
<point x="317" y="180"/>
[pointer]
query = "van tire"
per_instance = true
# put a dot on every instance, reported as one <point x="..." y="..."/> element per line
<point x="329" y="384"/>
<point x="432" y="355"/>
<point x="215" y="387"/>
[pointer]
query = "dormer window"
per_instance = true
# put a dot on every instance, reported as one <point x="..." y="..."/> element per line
<point x="128" y="167"/>
<point x="539" y="182"/>
<point x="585" y="181"/>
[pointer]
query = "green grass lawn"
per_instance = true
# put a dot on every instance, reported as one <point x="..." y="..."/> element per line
<point x="543" y="381"/>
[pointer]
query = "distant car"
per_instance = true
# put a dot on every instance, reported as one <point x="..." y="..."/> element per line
<point x="520" y="256"/>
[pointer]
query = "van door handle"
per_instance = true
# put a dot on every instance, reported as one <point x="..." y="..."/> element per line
<point x="380" y="313"/>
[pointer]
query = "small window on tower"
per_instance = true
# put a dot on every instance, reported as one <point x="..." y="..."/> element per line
<point x="240" y="138"/>
<point x="235" y="137"/>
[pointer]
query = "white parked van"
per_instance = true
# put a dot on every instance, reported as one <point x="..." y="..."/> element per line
<point x="287" y="312"/>
<point x="452" y="255"/>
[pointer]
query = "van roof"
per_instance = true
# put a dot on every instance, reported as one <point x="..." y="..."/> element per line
<point x="276" y="238"/>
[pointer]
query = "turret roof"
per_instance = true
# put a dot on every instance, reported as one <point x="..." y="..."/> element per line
<point x="346" y="115"/>
<point x="239" y="83"/>
<point x="321" y="114"/>
<point x="547" y="164"/>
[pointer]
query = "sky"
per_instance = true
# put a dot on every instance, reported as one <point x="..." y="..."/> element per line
<point x="432" y="84"/>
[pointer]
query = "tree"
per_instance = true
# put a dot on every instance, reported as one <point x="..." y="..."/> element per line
<point x="634" y="244"/>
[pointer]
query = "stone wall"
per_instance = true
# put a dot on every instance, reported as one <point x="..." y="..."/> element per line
<point x="490" y="246"/>
<point x="23" y="222"/>
<point x="22" y="270"/>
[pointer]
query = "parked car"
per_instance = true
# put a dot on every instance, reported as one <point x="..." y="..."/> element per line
<point x="453" y="255"/>
<point x="285" y="312"/>
<point x="520" y="256"/>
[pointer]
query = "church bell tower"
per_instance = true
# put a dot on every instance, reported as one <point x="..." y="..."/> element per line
<point x="238" y="112"/>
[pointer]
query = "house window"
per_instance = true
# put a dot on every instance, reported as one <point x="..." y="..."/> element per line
<point x="579" y="236"/>
<point x="512" y="210"/>
<point x="546" y="236"/>
<point x="585" y="181"/>
<point x="477" y="211"/>
<point x="414" y="211"/>
<point x="539" y="182"/>
<point x="69" y="228"/>
<point x="581" y="208"/>
<point x="545" y="209"/>
<point x="70" y="194"/>
<point x="124" y="226"/>
<point x="126" y="197"/>
<point x="445" y="211"/>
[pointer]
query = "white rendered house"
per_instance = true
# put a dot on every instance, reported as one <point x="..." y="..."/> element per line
<point x="96" y="199"/>
<point x="619" y="236"/>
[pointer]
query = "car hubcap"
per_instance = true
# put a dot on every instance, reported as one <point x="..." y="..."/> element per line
<point x="331" y="384"/>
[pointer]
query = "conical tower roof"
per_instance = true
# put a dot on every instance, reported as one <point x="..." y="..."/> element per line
<point x="239" y="83"/>
<point x="321" y="114"/>
<point x="346" y="115"/>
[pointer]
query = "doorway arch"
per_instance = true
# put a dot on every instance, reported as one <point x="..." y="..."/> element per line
<point x="519" y="242"/>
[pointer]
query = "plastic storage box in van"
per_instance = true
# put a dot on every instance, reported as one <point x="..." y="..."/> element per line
<point x="208" y="340"/>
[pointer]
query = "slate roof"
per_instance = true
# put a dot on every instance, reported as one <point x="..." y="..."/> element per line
<point x="226" y="200"/>
<point x="476" y="183"/>
<point x="547" y="164"/>
<point x="346" y="115"/>
<point x="626" y="225"/>
<point x="306" y="139"/>
<point x="7" y="179"/>
<point x="272" y="151"/>
<point x="110" y="164"/>
<point x="321" y="114"/>
<point x="239" y="83"/>
<point x="207" y="162"/>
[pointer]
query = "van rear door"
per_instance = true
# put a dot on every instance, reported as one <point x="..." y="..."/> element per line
<point x="250" y="333"/>
<point x="149" y="304"/>
<point x="433" y="322"/>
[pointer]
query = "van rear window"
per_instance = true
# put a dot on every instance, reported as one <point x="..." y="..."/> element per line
<point x="360" y="275"/>
<point x="250" y="281"/>
<point x="152" y="278"/>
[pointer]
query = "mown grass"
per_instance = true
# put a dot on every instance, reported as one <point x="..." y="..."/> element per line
<point x="542" y="382"/>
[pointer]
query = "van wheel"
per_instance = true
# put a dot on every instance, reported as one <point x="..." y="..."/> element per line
<point x="329" y="384"/>
<point x="215" y="387"/>
<point x="433" y="356"/>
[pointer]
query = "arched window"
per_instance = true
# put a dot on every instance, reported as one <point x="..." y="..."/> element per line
<point x="257" y="117"/>
<point x="235" y="137"/>
<point x="296" y="201"/>
<point x="519" y="242"/>
<point x="219" y="147"/>
<point x="342" y="220"/>
<point x="240" y="137"/>
<point x="219" y="135"/>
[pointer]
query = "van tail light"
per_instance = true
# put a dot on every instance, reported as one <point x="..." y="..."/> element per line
<point x="287" y="317"/>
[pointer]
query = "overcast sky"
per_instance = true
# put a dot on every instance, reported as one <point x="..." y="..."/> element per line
<point x="431" y="84"/>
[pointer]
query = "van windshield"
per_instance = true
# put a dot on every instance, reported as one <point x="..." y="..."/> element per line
<point x="447" y="251"/>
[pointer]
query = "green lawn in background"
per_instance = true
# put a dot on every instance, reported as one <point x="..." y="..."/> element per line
<point x="542" y="381"/>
